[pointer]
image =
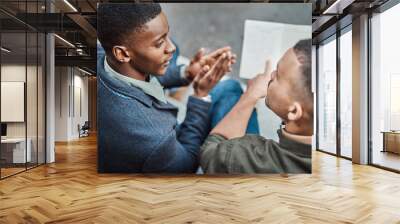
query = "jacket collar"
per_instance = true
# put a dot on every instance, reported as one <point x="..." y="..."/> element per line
<point x="120" y="86"/>
<point x="152" y="87"/>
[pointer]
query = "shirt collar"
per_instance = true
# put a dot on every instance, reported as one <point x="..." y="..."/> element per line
<point x="298" y="138"/>
<point x="300" y="148"/>
<point x="152" y="87"/>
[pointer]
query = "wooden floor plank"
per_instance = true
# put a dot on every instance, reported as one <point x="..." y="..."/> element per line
<point x="71" y="191"/>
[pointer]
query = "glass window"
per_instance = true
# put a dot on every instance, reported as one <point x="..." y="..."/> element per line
<point x="346" y="94"/>
<point x="22" y="92"/>
<point x="327" y="96"/>
<point x="314" y="77"/>
<point x="14" y="151"/>
<point x="385" y="89"/>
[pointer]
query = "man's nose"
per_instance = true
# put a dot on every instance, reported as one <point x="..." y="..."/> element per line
<point x="171" y="48"/>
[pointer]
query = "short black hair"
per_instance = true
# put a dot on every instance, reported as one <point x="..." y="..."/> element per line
<point x="302" y="49"/>
<point x="117" y="20"/>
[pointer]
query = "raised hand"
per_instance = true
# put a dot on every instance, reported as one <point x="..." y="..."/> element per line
<point x="209" y="77"/>
<point x="201" y="60"/>
<point x="258" y="86"/>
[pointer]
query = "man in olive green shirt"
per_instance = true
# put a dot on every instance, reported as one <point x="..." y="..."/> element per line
<point x="287" y="92"/>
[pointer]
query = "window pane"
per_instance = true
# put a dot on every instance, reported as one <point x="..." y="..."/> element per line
<point x="386" y="89"/>
<point x="327" y="97"/>
<point x="14" y="153"/>
<point x="346" y="94"/>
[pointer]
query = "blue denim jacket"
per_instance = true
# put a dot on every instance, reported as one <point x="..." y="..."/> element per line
<point x="137" y="133"/>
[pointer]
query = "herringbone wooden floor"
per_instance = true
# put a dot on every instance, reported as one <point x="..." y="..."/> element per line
<point x="71" y="191"/>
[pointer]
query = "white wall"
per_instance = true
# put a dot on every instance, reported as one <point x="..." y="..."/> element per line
<point x="33" y="126"/>
<point x="79" y="117"/>
<point x="17" y="73"/>
<point x="62" y="81"/>
<point x="70" y="83"/>
<point x="14" y="73"/>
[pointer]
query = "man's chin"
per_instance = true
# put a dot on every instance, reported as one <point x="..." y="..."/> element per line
<point x="160" y="72"/>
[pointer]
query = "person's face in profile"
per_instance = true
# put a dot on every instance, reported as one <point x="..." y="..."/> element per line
<point x="150" y="49"/>
<point x="282" y="86"/>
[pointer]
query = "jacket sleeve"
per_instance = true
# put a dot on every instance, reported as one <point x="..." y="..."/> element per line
<point x="172" y="77"/>
<point x="178" y="151"/>
<point x="196" y="126"/>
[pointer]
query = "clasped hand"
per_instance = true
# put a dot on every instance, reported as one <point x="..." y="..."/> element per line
<point x="206" y="70"/>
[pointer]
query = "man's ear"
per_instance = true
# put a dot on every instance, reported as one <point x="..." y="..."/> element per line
<point x="121" y="54"/>
<point x="295" y="111"/>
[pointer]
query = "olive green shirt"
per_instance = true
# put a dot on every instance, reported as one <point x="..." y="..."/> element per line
<point x="254" y="154"/>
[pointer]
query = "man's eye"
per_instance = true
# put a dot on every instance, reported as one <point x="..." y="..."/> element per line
<point x="159" y="44"/>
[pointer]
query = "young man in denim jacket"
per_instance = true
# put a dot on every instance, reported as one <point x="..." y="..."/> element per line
<point x="137" y="127"/>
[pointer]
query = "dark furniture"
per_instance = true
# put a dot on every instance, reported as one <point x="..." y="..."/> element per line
<point x="3" y="129"/>
<point x="84" y="130"/>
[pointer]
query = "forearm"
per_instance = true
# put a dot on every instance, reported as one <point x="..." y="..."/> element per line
<point x="234" y="124"/>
